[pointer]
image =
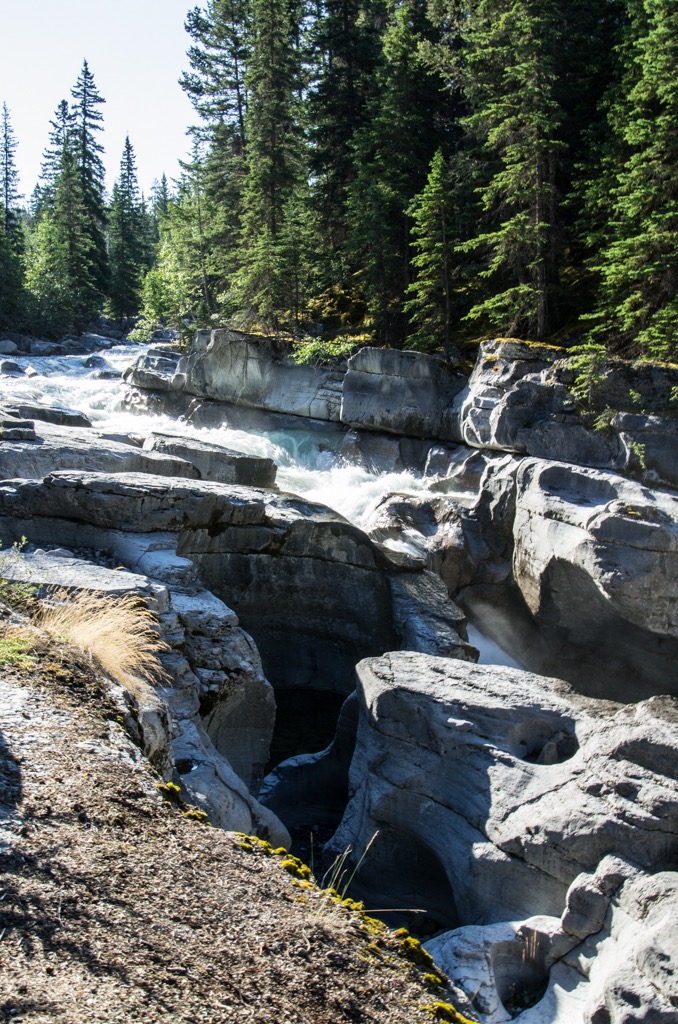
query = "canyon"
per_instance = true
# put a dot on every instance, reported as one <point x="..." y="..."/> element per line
<point x="323" y="673"/>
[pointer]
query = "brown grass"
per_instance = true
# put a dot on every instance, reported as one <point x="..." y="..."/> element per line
<point x="120" y="633"/>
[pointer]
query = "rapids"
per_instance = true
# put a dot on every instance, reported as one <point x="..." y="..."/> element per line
<point x="309" y="463"/>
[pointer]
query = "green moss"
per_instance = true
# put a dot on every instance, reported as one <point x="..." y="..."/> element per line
<point x="172" y="793"/>
<point x="297" y="868"/>
<point x="445" y="1012"/>
<point x="195" y="814"/>
<point x="411" y="949"/>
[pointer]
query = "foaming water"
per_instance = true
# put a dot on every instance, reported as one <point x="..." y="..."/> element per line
<point x="309" y="463"/>
<point x="349" y="490"/>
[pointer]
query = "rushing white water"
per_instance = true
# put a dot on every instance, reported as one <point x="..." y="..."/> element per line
<point x="308" y="462"/>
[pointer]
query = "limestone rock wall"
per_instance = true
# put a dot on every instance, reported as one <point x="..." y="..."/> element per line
<point x="539" y="825"/>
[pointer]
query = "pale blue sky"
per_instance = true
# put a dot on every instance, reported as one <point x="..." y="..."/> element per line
<point x="136" y="50"/>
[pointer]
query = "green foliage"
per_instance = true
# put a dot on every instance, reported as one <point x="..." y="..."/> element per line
<point x="589" y="361"/>
<point x="408" y="114"/>
<point x="15" y="651"/>
<point x="416" y="169"/>
<point x="126" y="242"/>
<point x="320" y="351"/>
<point x="11" y="232"/>
<point x="638" y="266"/>
<point x="511" y="83"/>
<point x="430" y="302"/>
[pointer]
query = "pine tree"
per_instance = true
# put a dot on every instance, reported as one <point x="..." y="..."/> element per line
<point x="508" y="66"/>
<point x="61" y="135"/>
<point x="60" y="267"/>
<point x="218" y="88"/>
<point x="638" y="301"/>
<point x="88" y="120"/>
<point x="347" y="47"/>
<point x="9" y="176"/>
<point x="218" y="57"/>
<point x="127" y="243"/>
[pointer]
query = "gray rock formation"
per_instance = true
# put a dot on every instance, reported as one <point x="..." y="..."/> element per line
<point x="519" y="399"/>
<point x="612" y="956"/>
<point x="313" y="590"/>
<point x="255" y="371"/>
<point x="215" y="461"/>
<point x="55" y="447"/>
<point x="492" y="788"/>
<point x="397" y="392"/>
<point x="596" y="561"/>
<point x="584" y="563"/>
<point x="217" y="710"/>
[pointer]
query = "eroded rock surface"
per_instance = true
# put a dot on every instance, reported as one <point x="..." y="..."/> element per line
<point x="519" y="398"/>
<point x="53" y="446"/>
<point x="611" y="956"/>
<point x="396" y="392"/>
<point x="494" y="788"/>
<point x="254" y="371"/>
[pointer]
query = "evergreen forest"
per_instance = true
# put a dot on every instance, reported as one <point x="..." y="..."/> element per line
<point x="411" y="173"/>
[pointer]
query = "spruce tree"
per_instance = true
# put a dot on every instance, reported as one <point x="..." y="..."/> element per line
<point x="409" y="118"/>
<point x="218" y="88"/>
<point x="127" y="242"/>
<point x="274" y="162"/>
<point x="216" y="83"/>
<point x="347" y="48"/>
<point x="88" y="121"/>
<point x="61" y="271"/>
<point x="508" y="66"/>
<point x="638" y="298"/>
<point x="61" y="135"/>
<point x="11" y="232"/>
<point x="9" y="176"/>
<point x="430" y="302"/>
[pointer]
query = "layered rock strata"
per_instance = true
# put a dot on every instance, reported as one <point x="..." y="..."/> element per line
<point x="210" y="724"/>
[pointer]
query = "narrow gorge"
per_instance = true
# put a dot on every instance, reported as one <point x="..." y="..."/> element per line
<point x="399" y="602"/>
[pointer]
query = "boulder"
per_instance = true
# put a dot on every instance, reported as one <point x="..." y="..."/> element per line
<point x="396" y="392"/>
<point x="256" y="371"/>
<point x="47" y="414"/>
<point x="596" y="562"/>
<point x="619" y="964"/>
<point x="8" y="368"/>
<point x="492" y="789"/>
<point x="215" y="461"/>
<point x="153" y="370"/>
<point x="7" y="347"/>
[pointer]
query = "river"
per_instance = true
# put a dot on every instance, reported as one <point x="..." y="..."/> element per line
<point x="309" y="463"/>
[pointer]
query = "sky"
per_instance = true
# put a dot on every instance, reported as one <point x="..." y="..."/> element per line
<point x="136" y="50"/>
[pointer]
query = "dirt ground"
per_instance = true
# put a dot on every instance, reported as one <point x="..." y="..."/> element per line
<point x="116" y="907"/>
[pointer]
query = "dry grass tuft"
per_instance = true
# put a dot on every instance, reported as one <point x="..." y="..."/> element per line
<point x="120" y="633"/>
